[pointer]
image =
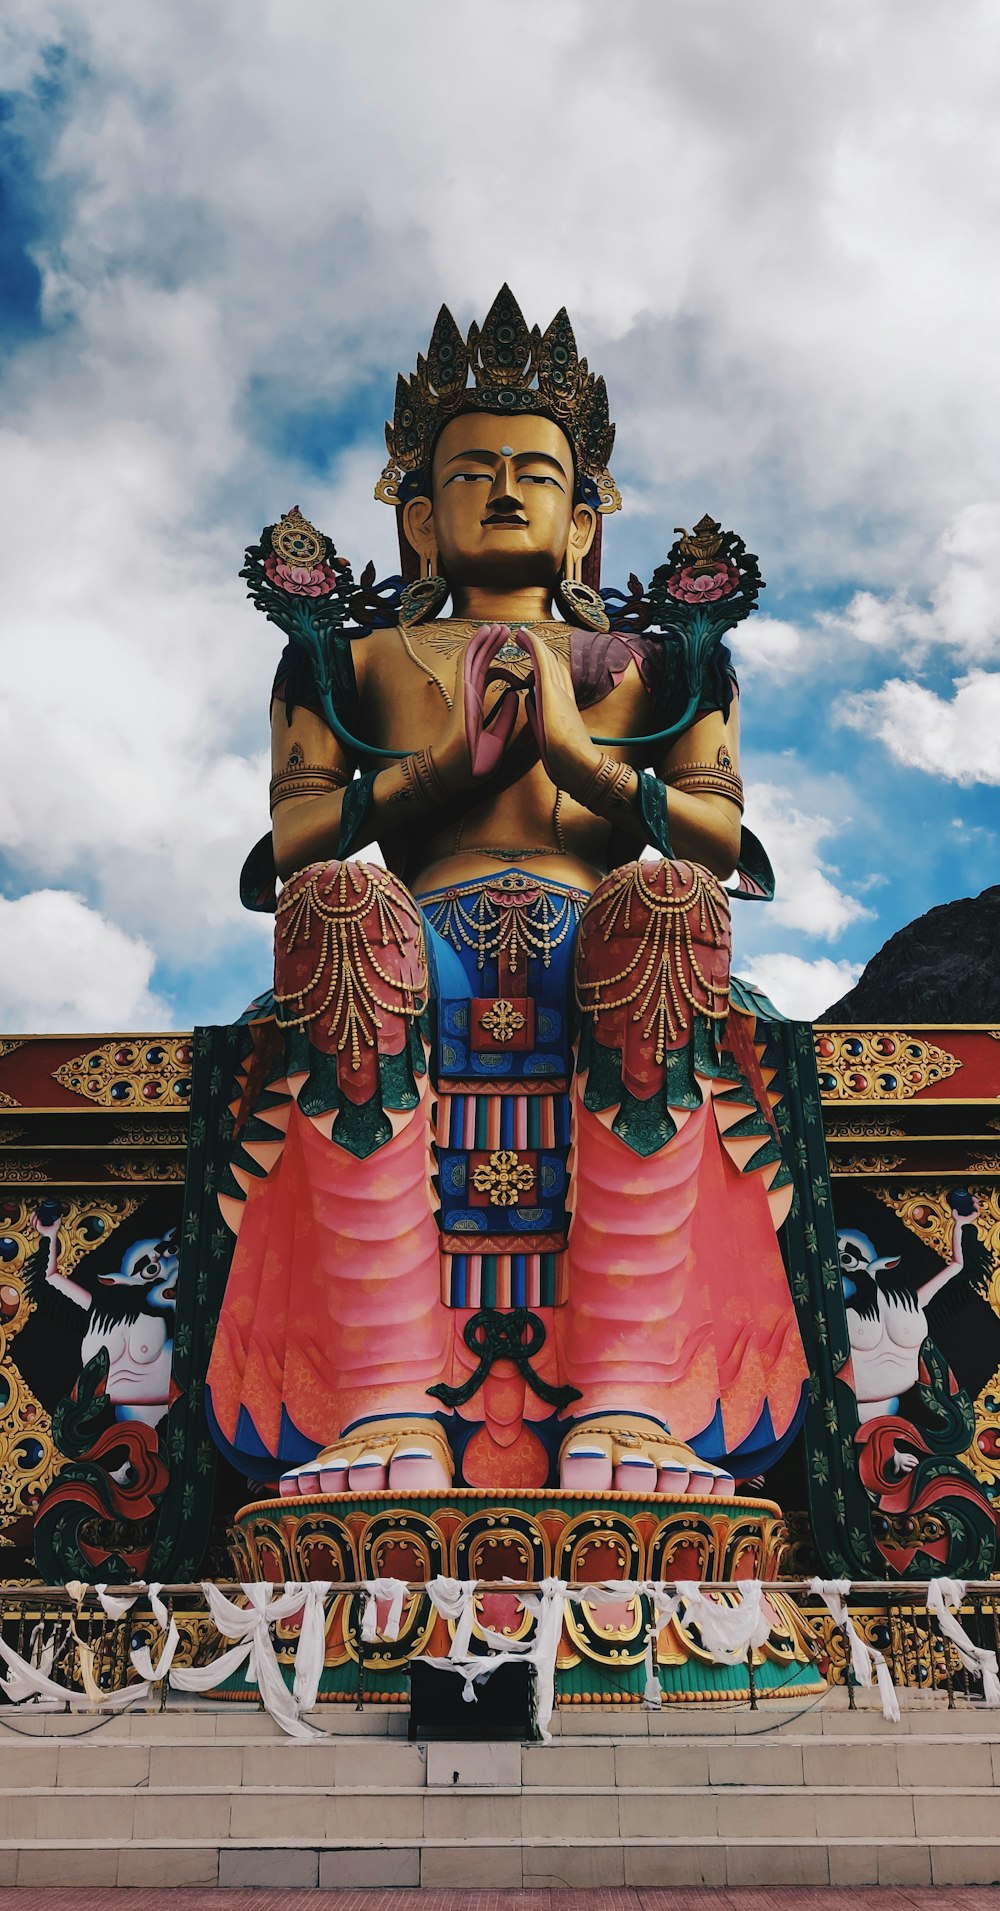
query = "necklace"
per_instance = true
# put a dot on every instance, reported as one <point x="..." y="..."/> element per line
<point x="430" y="675"/>
<point x="446" y="641"/>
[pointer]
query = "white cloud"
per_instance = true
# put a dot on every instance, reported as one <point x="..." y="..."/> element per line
<point x="120" y="737"/>
<point x="808" y="897"/>
<point x="957" y="738"/>
<point x="964" y="611"/>
<point x="770" y="647"/>
<point x="66" y="967"/>
<point x="961" y="614"/>
<point x="800" y="988"/>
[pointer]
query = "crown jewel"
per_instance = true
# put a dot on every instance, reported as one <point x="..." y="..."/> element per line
<point x="513" y="370"/>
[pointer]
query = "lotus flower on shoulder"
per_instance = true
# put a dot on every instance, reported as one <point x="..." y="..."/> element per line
<point x="301" y="580"/>
<point x="704" y="587"/>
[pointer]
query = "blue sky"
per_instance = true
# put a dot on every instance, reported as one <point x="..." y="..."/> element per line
<point x="775" y="230"/>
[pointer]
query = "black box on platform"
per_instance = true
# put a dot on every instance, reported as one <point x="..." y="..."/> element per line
<point x="503" y="1708"/>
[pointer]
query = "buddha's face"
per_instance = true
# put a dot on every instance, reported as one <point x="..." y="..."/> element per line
<point x="501" y="511"/>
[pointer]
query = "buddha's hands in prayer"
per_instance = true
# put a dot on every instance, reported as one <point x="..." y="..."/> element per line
<point x="565" y="745"/>
<point x="491" y="693"/>
<point x="468" y="750"/>
<point x="484" y="720"/>
<point x="483" y="717"/>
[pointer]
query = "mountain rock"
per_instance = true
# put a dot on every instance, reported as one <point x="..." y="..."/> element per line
<point x="944" y="967"/>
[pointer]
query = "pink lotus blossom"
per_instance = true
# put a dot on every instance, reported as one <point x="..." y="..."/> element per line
<point x="704" y="587"/>
<point x="301" y="580"/>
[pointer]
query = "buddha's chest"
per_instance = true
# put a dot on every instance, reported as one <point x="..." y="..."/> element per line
<point x="412" y="679"/>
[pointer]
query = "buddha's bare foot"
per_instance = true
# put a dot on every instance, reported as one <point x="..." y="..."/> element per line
<point x="407" y="1455"/>
<point x="628" y="1453"/>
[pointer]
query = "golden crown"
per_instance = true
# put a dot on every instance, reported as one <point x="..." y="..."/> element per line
<point x="513" y="370"/>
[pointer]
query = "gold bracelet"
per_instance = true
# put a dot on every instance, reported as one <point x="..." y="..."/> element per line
<point x="432" y="777"/>
<point x="606" y="788"/>
<point x="428" y="779"/>
<point x="596" y="784"/>
<point x="411" y="789"/>
<point x="708" y="779"/>
<point x="615" y="796"/>
<point x="421" y="776"/>
<point x="311" y="779"/>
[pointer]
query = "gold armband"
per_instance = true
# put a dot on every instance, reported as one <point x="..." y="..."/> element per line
<point x="707" y="779"/>
<point x="607" y="791"/>
<point x="421" y="772"/>
<point x="306" y="779"/>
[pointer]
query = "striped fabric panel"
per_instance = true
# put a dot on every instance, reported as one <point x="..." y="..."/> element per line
<point x="504" y="1280"/>
<point x="503" y="1121"/>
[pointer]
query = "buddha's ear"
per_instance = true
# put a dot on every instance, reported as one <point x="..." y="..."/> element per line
<point x="418" y="527"/>
<point x="582" y="532"/>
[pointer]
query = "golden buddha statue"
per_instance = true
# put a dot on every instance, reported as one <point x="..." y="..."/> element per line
<point x="508" y="1175"/>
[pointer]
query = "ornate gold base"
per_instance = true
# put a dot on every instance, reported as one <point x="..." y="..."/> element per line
<point x="492" y="1534"/>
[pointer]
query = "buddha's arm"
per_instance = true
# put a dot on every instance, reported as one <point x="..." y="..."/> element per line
<point x="310" y="773"/>
<point x="704" y="823"/>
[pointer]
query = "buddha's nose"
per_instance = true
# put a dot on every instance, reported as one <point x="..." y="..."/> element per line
<point x="505" y="492"/>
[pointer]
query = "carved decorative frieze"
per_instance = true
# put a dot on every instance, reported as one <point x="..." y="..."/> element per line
<point x="878" y="1064"/>
<point x="136" y="1074"/>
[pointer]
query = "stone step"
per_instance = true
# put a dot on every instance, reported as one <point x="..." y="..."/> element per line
<point x="504" y="1815"/>
<point x="909" y="1760"/>
<point x="582" y="1862"/>
<point x="213" y="1796"/>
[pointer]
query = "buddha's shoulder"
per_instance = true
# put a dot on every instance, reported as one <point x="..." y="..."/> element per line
<point x="450" y="630"/>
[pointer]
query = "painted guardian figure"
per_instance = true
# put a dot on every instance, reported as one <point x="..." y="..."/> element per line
<point x="507" y="1175"/>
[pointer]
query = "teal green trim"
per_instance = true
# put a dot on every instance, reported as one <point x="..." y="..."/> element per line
<point x="767" y="1153"/>
<point x="653" y="805"/>
<point x="752" y="1124"/>
<point x="320" y="1092"/>
<point x="258" y="877"/>
<point x="754" y="867"/>
<point x="354" y="814"/>
<point x="362" y="1127"/>
<point x="399" y="1090"/>
<point x="647" y="1125"/>
<point x="753" y="1001"/>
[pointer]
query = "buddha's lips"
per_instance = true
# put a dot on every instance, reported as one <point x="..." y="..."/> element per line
<point x="504" y="524"/>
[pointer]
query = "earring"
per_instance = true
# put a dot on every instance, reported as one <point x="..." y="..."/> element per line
<point x="581" y="605"/>
<point x="421" y="600"/>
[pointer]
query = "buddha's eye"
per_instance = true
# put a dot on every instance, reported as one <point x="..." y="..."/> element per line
<point x="471" y="477"/>
<point x="529" y="477"/>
